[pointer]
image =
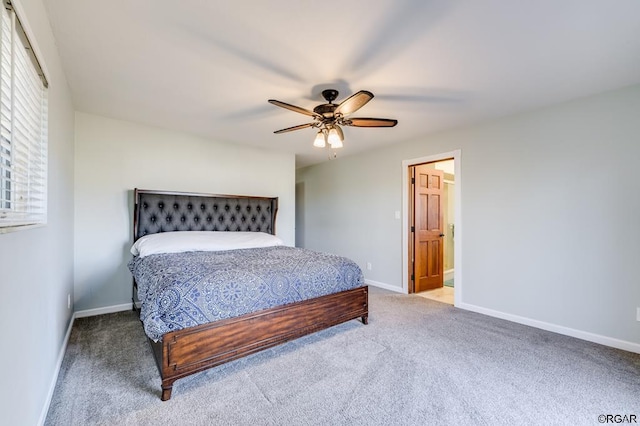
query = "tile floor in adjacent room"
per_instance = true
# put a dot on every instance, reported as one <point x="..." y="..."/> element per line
<point x="442" y="294"/>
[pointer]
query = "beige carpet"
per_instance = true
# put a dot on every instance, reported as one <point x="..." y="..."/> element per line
<point x="418" y="362"/>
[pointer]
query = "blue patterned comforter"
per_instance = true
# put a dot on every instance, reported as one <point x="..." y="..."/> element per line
<point x="179" y="290"/>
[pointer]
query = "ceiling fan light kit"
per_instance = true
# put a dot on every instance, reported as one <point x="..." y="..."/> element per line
<point x="329" y="117"/>
<point x="334" y="137"/>
<point x="321" y="140"/>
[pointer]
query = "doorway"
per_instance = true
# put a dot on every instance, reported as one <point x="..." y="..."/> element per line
<point x="431" y="225"/>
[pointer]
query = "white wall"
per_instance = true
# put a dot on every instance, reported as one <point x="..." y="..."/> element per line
<point x="113" y="157"/>
<point x="550" y="214"/>
<point x="36" y="265"/>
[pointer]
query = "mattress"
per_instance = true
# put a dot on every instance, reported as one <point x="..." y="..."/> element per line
<point x="180" y="290"/>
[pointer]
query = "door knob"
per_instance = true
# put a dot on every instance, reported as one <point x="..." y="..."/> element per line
<point x="442" y="235"/>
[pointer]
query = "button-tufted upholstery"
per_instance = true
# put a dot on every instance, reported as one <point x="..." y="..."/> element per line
<point x="163" y="212"/>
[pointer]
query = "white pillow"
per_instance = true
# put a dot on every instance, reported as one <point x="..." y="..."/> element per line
<point x="181" y="241"/>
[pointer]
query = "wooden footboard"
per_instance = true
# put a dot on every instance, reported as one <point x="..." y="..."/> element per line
<point x="191" y="350"/>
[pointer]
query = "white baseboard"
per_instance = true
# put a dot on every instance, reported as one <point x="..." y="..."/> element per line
<point x="105" y="310"/>
<point x="54" y="380"/>
<point x="448" y="274"/>
<point x="385" y="286"/>
<point x="584" y="335"/>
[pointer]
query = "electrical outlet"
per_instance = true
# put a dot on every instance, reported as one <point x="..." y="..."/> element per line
<point x="369" y="266"/>
<point x="637" y="314"/>
<point x="68" y="300"/>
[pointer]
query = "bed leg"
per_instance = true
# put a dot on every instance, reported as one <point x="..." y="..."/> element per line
<point x="166" y="392"/>
<point x="365" y="319"/>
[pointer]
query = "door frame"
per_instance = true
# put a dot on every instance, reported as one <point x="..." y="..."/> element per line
<point x="406" y="213"/>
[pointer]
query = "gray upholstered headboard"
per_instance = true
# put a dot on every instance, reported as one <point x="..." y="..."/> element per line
<point x="163" y="211"/>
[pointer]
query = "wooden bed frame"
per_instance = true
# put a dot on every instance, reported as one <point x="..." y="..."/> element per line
<point x="191" y="350"/>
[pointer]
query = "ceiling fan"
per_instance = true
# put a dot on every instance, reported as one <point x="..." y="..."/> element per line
<point x="329" y="117"/>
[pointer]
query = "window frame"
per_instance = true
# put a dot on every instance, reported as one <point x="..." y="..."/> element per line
<point x="23" y="125"/>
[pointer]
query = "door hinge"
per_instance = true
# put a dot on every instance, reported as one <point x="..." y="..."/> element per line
<point x="413" y="277"/>
<point x="413" y="180"/>
<point x="413" y="229"/>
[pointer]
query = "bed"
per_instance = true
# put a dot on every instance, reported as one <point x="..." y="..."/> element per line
<point x="187" y="337"/>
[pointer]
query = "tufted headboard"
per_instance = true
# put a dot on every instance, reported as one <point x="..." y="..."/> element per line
<point x="164" y="211"/>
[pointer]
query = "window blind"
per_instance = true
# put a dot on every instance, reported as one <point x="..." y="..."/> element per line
<point x="23" y="127"/>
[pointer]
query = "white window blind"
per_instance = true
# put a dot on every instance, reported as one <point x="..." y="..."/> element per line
<point x="23" y="127"/>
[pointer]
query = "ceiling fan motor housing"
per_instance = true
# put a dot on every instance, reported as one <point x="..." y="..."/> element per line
<point x="325" y="110"/>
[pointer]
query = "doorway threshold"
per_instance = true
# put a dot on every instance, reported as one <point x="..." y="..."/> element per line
<point x="442" y="294"/>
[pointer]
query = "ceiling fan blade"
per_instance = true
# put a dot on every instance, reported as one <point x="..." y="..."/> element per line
<point x="371" y="122"/>
<point x="293" y="108"/>
<point x="354" y="102"/>
<point x="291" y="129"/>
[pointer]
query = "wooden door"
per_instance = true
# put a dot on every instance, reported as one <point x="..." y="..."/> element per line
<point x="428" y="227"/>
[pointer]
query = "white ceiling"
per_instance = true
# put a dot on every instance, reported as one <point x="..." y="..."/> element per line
<point x="209" y="67"/>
